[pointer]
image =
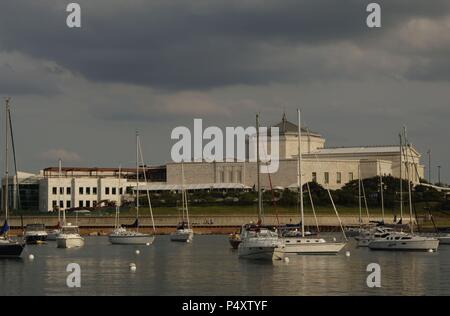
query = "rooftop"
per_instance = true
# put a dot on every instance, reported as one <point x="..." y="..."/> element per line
<point x="286" y="127"/>
<point x="203" y="186"/>
<point x="361" y="150"/>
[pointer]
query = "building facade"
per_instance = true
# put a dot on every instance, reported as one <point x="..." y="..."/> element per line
<point x="330" y="167"/>
<point x="79" y="188"/>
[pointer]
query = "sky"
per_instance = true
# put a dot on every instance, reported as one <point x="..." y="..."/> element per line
<point x="80" y="94"/>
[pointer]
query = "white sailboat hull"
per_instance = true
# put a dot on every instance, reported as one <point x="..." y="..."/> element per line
<point x="182" y="235"/>
<point x="311" y="246"/>
<point x="141" y="239"/>
<point x="69" y="241"/>
<point x="411" y="245"/>
<point x="258" y="253"/>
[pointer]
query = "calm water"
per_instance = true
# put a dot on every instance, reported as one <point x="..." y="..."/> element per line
<point x="209" y="267"/>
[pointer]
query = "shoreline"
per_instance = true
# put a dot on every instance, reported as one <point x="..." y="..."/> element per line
<point x="202" y="224"/>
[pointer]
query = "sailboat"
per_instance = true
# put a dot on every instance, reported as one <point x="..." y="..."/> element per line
<point x="120" y="235"/>
<point x="256" y="240"/>
<point x="367" y="235"/>
<point x="69" y="235"/>
<point x="184" y="232"/>
<point x="303" y="244"/>
<point x="53" y="234"/>
<point x="8" y="247"/>
<point x="400" y="240"/>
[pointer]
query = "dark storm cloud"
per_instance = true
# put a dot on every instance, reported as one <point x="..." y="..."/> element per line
<point x="197" y="44"/>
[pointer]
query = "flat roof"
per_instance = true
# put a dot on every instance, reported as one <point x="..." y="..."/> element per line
<point x="202" y="186"/>
<point x="91" y="169"/>
<point x="360" y="150"/>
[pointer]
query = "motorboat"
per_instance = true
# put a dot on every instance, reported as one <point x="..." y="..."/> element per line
<point x="69" y="237"/>
<point x="260" y="243"/>
<point x="35" y="234"/>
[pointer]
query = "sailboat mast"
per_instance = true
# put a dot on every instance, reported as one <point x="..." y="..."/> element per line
<point x="381" y="192"/>
<point x="257" y="171"/>
<point x="137" y="179"/>
<point x="118" y="199"/>
<point x="185" y="206"/>
<point x="359" y="194"/>
<point x="401" y="176"/>
<point x="408" y="170"/>
<point x="299" y="172"/>
<point x="6" y="158"/>
<point x="59" y="192"/>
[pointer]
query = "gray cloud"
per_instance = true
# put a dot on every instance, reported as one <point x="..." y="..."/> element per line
<point x="204" y="44"/>
<point x="153" y="65"/>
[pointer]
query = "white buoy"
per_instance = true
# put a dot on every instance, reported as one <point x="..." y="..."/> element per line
<point x="31" y="257"/>
<point x="430" y="250"/>
<point x="147" y="244"/>
<point x="138" y="252"/>
<point x="286" y="259"/>
<point x="132" y="267"/>
<point x="188" y="241"/>
<point x="347" y="253"/>
<point x="334" y="239"/>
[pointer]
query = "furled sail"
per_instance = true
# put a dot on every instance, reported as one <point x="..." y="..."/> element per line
<point x="5" y="228"/>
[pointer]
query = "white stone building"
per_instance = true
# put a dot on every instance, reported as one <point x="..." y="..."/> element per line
<point x="330" y="167"/>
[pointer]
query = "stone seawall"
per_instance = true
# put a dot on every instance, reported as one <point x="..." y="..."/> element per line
<point x="197" y="220"/>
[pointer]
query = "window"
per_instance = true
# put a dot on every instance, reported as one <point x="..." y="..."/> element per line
<point x="88" y="203"/>
<point x="221" y="176"/>
<point x="68" y="204"/>
<point x="107" y="190"/>
<point x="327" y="177"/>
<point x="54" y="190"/>
<point x="338" y="177"/>
<point x="239" y="176"/>
<point x="61" y="190"/>
<point x="80" y="203"/>
<point x="54" y="204"/>
<point x="230" y="174"/>
<point x="94" y="203"/>
<point x="61" y="204"/>
<point x="314" y="177"/>
<point x="88" y="190"/>
<point x="80" y="190"/>
<point x="350" y="176"/>
<point x="114" y="192"/>
<point x="68" y="191"/>
<point x="120" y="191"/>
<point x="94" y="190"/>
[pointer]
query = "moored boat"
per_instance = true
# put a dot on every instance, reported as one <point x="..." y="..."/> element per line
<point x="69" y="237"/>
<point x="403" y="241"/>
<point x="122" y="236"/>
<point x="8" y="248"/>
<point x="260" y="243"/>
<point x="35" y="234"/>
<point x="295" y="239"/>
<point x="184" y="231"/>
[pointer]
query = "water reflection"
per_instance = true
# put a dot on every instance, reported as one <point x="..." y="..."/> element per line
<point x="209" y="266"/>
